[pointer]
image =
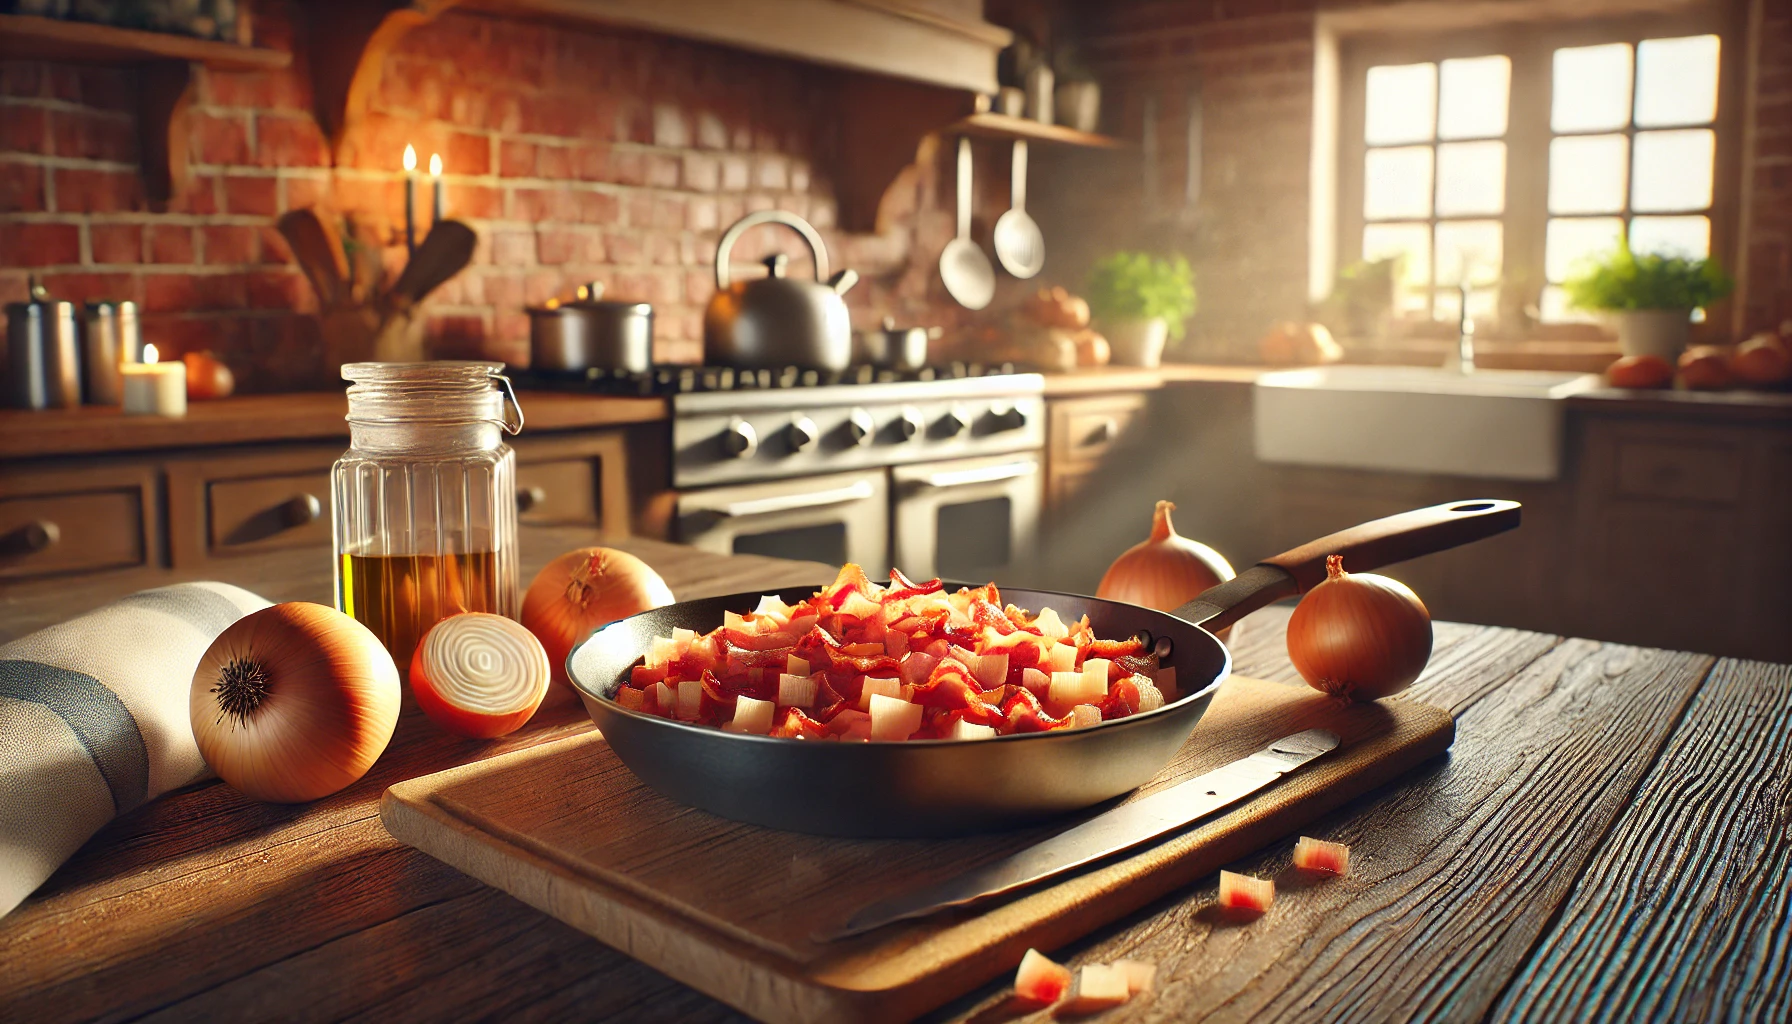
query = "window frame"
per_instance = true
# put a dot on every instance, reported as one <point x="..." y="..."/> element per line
<point x="1531" y="45"/>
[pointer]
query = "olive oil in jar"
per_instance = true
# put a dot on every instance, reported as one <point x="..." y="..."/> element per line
<point x="399" y="597"/>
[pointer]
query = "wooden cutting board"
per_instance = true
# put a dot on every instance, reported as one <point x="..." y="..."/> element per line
<point x="729" y="908"/>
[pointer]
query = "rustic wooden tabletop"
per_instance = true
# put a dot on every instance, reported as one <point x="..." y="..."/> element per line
<point x="1609" y="839"/>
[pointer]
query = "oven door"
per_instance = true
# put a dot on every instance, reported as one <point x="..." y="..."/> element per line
<point x="842" y="517"/>
<point x="969" y="520"/>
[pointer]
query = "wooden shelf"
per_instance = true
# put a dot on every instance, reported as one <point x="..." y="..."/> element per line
<point x="32" y="38"/>
<point x="1001" y="126"/>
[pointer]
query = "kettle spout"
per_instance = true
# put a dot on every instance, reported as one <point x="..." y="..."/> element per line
<point x="843" y="281"/>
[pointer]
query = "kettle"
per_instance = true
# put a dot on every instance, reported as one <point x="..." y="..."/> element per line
<point x="777" y="321"/>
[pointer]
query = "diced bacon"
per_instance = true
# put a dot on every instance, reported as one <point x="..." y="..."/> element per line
<point x="895" y="643"/>
<point x="1116" y="648"/>
<point x="799" y="726"/>
<point x="847" y="718"/>
<point x="1319" y="855"/>
<point x="1244" y="893"/>
<point x="1023" y="714"/>
<point x="644" y="677"/>
<point x="917" y="666"/>
<point x="1139" y="975"/>
<point x="631" y="698"/>
<point x="995" y="697"/>
<point x="1097" y="987"/>
<point x="1041" y="979"/>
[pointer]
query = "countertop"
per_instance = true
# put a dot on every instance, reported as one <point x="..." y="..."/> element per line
<point x="1608" y="839"/>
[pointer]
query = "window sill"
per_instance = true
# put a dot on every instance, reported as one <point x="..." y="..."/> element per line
<point x="1591" y="356"/>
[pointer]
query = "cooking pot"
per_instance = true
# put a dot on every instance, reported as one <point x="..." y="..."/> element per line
<point x="777" y="321"/>
<point x="892" y="347"/>
<point x="590" y="332"/>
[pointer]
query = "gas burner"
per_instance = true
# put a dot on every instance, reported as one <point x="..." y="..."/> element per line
<point x="682" y="380"/>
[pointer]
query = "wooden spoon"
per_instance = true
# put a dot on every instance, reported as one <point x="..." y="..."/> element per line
<point x="444" y="253"/>
<point x="319" y="254"/>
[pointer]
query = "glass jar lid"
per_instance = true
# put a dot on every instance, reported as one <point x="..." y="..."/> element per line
<point x="442" y="391"/>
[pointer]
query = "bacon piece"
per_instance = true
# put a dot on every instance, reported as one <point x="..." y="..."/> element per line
<point x="1246" y="894"/>
<point x="1122" y="699"/>
<point x="643" y="677"/>
<point x="799" y="726"/>
<point x="1041" y="979"/>
<point x="1116" y="648"/>
<point x="837" y="654"/>
<point x="852" y="580"/>
<point x="1319" y="855"/>
<point x="1023" y="714"/>
<point x="902" y="588"/>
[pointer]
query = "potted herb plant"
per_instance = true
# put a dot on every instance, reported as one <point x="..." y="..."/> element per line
<point x="1141" y="300"/>
<point x="1650" y="297"/>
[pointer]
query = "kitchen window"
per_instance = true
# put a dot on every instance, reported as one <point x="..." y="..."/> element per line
<point x="1509" y="157"/>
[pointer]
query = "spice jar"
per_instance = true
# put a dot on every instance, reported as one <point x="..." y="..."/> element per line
<point x="424" y="500"/>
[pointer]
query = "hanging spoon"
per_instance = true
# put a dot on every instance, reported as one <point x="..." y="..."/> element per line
<point x="963" y="267"/>
<point x="1019" y="244"/>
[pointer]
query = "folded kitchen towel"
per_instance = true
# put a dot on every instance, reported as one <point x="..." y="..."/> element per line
<point x="94" y="720"/>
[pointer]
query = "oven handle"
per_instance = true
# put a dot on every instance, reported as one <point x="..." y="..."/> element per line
<point x="981" y="475"/>
<point x="790" y="502"/>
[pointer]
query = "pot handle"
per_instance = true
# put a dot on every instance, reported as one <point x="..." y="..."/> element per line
<point x="1367" y="546"/>
<point x="752" y="220"/>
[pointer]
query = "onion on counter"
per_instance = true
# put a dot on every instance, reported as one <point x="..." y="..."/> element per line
<point x="479" y="675"/>
<point x="1166" y="570"/>
<point x="582" y="590"/>
<point x="1041" y="979"/>
<point x="1358" y="635"/>
<point x="1097" y="987"/>
<point x="1321" y="856"/>
<point x="1244" y="893"/>
<point x="294" y="702"/>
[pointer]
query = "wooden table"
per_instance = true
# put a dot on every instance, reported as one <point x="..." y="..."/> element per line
<point x="1610" y="838"/>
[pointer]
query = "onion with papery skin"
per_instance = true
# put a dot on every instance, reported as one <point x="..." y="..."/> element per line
<point x="1762" y="360"/>
<point x="294" y="702"/>
<point x="1359" y="636"/>
<point x="479" y="675"/>
<point x="582" y="590"/>
<point x="1705" y="368"/>
<point x="1165" y="571"/>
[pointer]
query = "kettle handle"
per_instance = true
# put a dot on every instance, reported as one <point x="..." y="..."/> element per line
<point x="753" y="220"/>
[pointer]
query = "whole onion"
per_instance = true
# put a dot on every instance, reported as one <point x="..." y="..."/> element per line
<point x="582" y="590"/>
<point x="1164" y="571"/>
<point x="1358" y="635"/>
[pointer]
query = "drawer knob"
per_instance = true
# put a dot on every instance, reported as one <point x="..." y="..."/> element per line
<point x="528" y="498"/>
<point x="1104" y="432"/>
<point x="31" y="538"/>
<point x="301" y="510"/>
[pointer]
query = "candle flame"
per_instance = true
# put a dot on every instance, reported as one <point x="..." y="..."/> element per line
<point x="410" y="157"/>
<point x="435" y="164"/>
<point x="149" y="353"/>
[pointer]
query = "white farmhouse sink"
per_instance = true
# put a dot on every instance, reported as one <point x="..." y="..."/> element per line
<point x="1500" y="424"/>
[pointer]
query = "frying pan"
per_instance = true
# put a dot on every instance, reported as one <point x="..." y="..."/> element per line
<point x="921" y="788"/>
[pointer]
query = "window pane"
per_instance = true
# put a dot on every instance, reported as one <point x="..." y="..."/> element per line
<point x="1671" y="236"/>
<point x="1591" y="89"/>
<point x="1471" y="177"/>
<point x="1483" y="304"/>
<point x="1555" y="309"/>
<point x="1569" y="242"/>
<point x="1401" y="104"/>
<point x="1472" y="97"/>
<point x="1673" y="170"/>
<point x="1586" y="174"/>
<point x="1397" y="183"/>
<point x="1676" y="81"/>
<point x="1471" y="243"/>
<point x="1411" y="242"/>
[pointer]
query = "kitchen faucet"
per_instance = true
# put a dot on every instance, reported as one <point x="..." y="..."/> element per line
<point x="1463" y="359"/>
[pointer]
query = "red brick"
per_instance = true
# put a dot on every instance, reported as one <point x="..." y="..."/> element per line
<point x="21" y="78"/>
<point x="670" y="127"/>
<point x="543" y="204"/>
<point x="92" y="136"/>
<point x="700" y="214"/>
<point x="516" y="159"/>
<point x="599" y="208"/>
<point x="24" y="129"/>
<point x="219" y="139"/>
<point x="289" y="141"/>
<point x="543" y="285"/>
<point x="170" y="293"/>
<point x="21" y="188"/>
<point x="737" y="173"/>
<point x="258" y="89"/>
<point x="473" y="202"/>
<point x="39" y="245"/>
<point x="702" y="172"/>
<point x="554" y="163"/>
<point x="468" y="154"/>
<point x="230" y="244"/>
<point x="305" y="193"/>
<point x="624" y="249"/>
<point x="279" y="289"/>
<point x="594" y="162"/>
<point x="772" y="173"/>
<point x="259" y="196"/>
<point x="80" y="190"/>
<point x="171" y="244"/>
<point x="88" y="287"/>
<point x="504" y="290"/>
<point x="561" y="115"/>
<point x="513" y="248"/>
<point x="662" y="170"/>
<point x="199" y="197"/>
<point x="116" y="243"/>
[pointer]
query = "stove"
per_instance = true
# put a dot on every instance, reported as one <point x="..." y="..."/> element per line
<point x="679" y="380"/>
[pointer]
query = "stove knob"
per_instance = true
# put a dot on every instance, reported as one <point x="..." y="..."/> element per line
<point x="910" y="423"/>
<point x="802" y="432"/>
<point x="956" y="420"/>
<point x="740" y="439"/>
<point x="1008" y="417"/>
<point x="860" y="427"/>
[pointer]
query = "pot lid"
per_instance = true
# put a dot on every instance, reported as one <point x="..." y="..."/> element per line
<point x="590" y="296"/>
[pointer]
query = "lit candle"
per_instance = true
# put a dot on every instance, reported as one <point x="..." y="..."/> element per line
<point x="435" y="172"/>
<point x="154" y="389"/>
<point x="410" y="198"/>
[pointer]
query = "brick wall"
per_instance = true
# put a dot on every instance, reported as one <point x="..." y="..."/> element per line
<point x="575" y="154"/>
<point x="1767" y="231"/>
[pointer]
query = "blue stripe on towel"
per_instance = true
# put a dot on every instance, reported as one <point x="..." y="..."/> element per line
<point x="96" y="716"/>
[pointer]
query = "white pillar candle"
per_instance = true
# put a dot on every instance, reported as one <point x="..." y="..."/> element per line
<point x="154" y="389"/>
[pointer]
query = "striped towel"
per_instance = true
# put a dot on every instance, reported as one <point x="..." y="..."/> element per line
<point x="94" y="720"/>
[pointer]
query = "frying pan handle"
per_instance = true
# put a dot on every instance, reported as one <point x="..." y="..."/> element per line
<point x="1368" y="546"/>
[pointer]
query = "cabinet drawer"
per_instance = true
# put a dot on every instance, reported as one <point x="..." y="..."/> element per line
<point x="43" y="534"/>
<point x="1082" y="430"/>
<point x="1680" y="471"/>
<point x="560" y="492"/>
<point x="268" y="512"/>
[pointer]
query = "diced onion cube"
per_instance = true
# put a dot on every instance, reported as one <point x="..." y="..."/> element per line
<point x="1084" y="715"/>
<point x="665" y="698"/>
<point x="1138" y="974"/>
<point x="1150" y="697"/>
<point x="1036" y="681"/>
<point x="876" y="686"/>
<point x="1165" y="678"/>
<point x="963" y="730"/>
<point x="732" y="620"/>
<point x="992" y="669"/>
<point x="683" y="637"/>
<point x="690" y="699"/>
<point x="1063" y="658"/>
<point x="796" y="691"/>
<point x="1319" y="855"/>
<point x="858" y="606"/>
<point x="796" y="666"/>
<point x="751" y="715"/>
<point x="1050" y="625"/>
<point x="1242" y="892"/>
<point x="1041" y="979"/>
<point x="770" y="604"/>
<point x="1066" y="690"/>
<point x="893" y="718"/>
<point x="1097" y="987"/>
<point x="1095" y="675"/>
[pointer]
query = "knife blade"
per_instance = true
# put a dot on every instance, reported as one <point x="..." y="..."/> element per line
<point x="1105" y="834"/>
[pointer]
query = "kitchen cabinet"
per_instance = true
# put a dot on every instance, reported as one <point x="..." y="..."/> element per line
<point x="1080" y="433"/>
<point x="69" y="520"/>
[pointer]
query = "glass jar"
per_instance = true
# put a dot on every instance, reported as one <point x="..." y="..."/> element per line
<point x="424" y="501"/>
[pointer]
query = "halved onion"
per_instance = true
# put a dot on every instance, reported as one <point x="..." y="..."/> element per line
<point x="479" y="675"/>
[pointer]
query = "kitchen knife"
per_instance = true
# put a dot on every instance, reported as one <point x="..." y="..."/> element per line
<point x="1105" y="834"/>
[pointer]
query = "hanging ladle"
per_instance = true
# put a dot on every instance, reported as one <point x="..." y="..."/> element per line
<point x="1019" y="245"/>
<point x="966" y="271"/>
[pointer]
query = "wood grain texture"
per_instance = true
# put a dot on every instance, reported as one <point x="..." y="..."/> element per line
<point x="731" y="908"/>
<point x="1685" y="913"/>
